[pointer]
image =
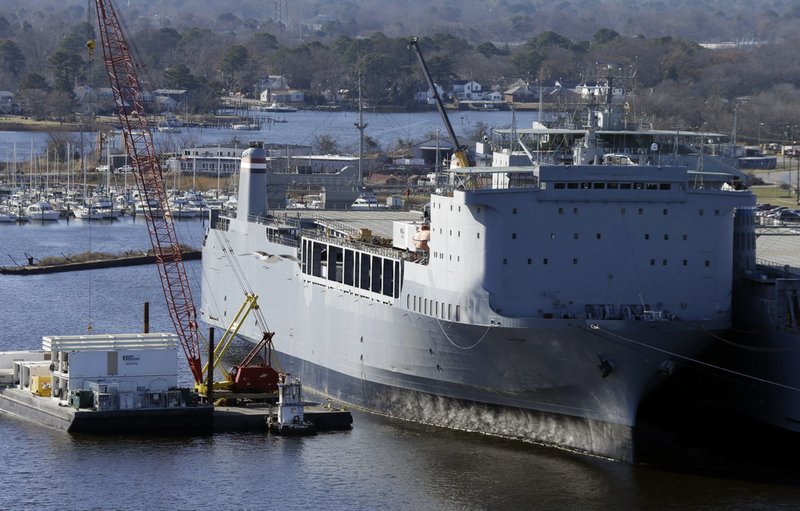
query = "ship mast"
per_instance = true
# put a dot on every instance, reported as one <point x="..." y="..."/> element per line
<point x="360" y="126"/>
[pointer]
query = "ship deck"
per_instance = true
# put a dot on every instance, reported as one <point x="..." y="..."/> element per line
<point x="378" y="221"/>
<point x="779" y="246"/>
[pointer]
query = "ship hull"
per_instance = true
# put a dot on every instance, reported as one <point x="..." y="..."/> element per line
<point x="574" y="383"/>
<point x="760" y="355"/>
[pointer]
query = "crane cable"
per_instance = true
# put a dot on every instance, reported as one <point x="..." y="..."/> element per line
<point x="241" y="276"/>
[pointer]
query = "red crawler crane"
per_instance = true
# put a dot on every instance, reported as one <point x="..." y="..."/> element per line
<point x="139" y="145"/>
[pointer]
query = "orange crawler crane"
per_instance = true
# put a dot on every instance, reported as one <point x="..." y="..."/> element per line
<point x="122" y="74"/>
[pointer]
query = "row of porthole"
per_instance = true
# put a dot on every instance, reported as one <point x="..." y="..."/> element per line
<point x="612" y="186"/>
<point x="546" y="261"/>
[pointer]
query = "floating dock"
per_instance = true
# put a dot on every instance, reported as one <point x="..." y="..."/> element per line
<point x="47" y="412"/>
<point x="115" y="262"/>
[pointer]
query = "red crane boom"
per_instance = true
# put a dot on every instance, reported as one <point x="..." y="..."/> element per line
<point x="149" y="180"/>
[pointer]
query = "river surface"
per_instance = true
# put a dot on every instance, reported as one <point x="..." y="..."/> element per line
<point x="301" y="127"/>
<point x="380" y="464"/>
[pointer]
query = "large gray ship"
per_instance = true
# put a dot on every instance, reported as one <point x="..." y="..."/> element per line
<point x="540" y="303"/>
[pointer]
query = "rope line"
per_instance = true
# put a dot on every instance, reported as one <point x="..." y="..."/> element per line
<point x="438" y="322"/>
<point x="694" y="360"/>
<point x="752" y="348"/>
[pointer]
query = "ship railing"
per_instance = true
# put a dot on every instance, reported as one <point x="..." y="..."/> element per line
<point x="338" y="227"/>
<point x="389" y="252"/>
<point x="785" y="268"/>
<point x="275" y="220"/>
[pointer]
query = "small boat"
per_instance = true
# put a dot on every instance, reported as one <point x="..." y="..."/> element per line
<point x="366" y="200"/>
<point x="89" y="212"/>
<point x="170" y="124"/>
<point x="42" y="211"/>
<point x="290" y="420"/>
<point x="249" y="126"/>
<point x="168" y="129"/>
<point x="6" y="215"/>
<point x="278" y="107"/>
<point x="182" y="208"/>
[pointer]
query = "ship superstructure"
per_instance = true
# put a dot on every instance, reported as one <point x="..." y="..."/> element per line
<point x="539" y="303"/>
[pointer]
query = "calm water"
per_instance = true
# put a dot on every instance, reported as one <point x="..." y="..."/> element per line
<point x="380" y="464"/>
<point x="302" y="127"/>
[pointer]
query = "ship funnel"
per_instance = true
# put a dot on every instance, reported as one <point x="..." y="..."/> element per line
<point x="253" y="183"/>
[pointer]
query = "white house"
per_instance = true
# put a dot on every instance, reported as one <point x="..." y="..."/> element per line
<point x="283" y="96"/>
<point x="272" y="82"/>
<point x="468" y="90"/>
<point x="426" y="96"/>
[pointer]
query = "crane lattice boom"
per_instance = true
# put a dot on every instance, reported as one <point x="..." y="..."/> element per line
<point x="139" y="145"/>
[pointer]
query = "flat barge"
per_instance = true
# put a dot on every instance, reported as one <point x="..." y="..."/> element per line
<point x="115" y="262"/>
<point x="125" y="384"/>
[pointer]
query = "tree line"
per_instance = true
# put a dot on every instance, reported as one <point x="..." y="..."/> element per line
<point x="674" y="82"/>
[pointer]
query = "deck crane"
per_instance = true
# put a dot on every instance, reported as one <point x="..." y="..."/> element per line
<point x="122" y="73"/>
<point x="460" y="152"/>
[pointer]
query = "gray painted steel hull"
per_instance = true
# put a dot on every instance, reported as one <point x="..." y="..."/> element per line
<point x="533" y="379"/>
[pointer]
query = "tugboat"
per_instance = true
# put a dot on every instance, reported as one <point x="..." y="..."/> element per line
<point x="290" y="420"/>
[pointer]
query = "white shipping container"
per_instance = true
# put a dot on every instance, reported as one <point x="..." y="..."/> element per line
<point x="123" y="363"/>
<point x="7" y="358"/>
<point x="403" y="235"/>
